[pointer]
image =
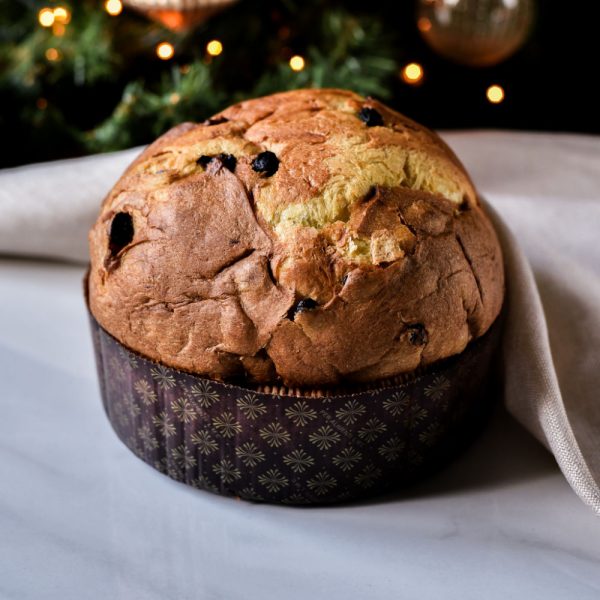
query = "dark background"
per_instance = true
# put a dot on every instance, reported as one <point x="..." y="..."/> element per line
<point x="550" y="83"/>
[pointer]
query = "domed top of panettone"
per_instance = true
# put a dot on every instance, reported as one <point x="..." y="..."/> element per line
<point x="309" y="237"/>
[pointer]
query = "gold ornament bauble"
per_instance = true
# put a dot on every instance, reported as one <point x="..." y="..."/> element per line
<point x="475" y="32"/>
<point x="179" y="15"/>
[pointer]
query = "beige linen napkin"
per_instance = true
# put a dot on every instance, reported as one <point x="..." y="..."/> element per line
<point x="46" y="209"/>
<point x="545" y="188"/>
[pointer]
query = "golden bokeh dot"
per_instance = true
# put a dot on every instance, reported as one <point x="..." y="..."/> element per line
<point x="424" y="24"/>
<point x="297" y="63"/>
<point x="412" y="73"/>
<point x="495" y="94"/>
<point x="214" y="47"/>
<point x="174" y="98"/>
<point x="165" y="51"/>
<point x="113" y="7"/>
<point x="58" y="29"/>
<point x="62" y="15"/>
<point x="46" y="17"/>
<point x="52" y="54"/>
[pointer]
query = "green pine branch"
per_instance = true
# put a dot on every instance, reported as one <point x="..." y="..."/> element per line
<point x="108" y="90"/>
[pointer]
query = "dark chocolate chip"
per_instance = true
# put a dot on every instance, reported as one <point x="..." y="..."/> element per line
<point x="216" y="121"/>
<point x="229" y="160"/>
<point x="370" y="117"/>
<point x="121" y="232"/>
<point x="305" y="304"/>
<point x="417" y="335"/>
<point x="204" y="160"/>
<point x="301" y="306"/>
<point x="266" y="162"/>
<point x="344" y="278"/>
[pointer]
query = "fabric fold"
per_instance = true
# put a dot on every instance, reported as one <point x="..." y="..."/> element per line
<point x="47" y="209"/>
<point x="532" y="390"/>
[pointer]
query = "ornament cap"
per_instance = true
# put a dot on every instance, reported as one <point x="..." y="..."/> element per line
<point x="179" y="15"/>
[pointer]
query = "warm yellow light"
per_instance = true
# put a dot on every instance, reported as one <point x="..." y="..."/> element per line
<point x="174" y="98"/>
<point x="297" y="63"/>
<point x="61" y="15"/>
<point x="412" y="73"/>
<point x="165" y="50"/>
<point x="113" y="7"/>
<point x="58" y="29"/>
<point x="46" y="17"/>
<point x="214" y="47"/>
<point x="495" y="94"/>
<point x="52" y="54"/>
<point x="424" y="24"/>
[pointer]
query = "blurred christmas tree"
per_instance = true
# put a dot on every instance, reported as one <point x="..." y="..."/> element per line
<point x="81" y="80"/>
<point x="93" y="75"/>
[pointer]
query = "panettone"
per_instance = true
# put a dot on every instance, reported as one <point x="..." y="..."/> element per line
<point x="310" y="238"/>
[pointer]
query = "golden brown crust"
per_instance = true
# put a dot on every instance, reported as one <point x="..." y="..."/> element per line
<point x="375" y="230"/>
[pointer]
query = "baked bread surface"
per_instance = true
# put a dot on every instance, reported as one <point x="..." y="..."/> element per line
<point x="310" y="237"/>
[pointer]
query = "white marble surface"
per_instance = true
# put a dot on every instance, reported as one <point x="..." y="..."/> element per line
<point x="81" y="517"/>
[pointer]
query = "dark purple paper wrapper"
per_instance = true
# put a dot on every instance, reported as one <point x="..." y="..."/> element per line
<point x="294" y="446"/>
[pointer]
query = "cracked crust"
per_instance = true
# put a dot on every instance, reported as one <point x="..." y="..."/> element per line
<point x="378" y="229"/>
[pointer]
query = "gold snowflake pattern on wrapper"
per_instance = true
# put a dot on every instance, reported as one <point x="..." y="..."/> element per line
<point x="292" y="449"/>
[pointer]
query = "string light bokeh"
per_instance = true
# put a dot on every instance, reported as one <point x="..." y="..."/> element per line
<point x="113" y="7"/>
<point x="412" y="73"/>
<point x="214" y="48"/>
<point x="495" y="94"/>
<point x="131" y="62"/>
<point x="165" y="50"/>
<point x="53" y="55"/>
<point x="46" y="17"/>
<point x="297" y="63"/>
<point x="58" y="17"/>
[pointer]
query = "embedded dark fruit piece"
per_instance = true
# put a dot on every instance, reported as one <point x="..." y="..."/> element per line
<point x="121" y="232"/>
<point x="301" y="306"/>
<point x="229" y="160"/>
<point x="370" y="117"/>
<point x="216" y="121"/>
<point x="417" y="335"/>
<point x="266" y="163"/>
<point x="344" y="278"/>
<point x="464" y="205"/>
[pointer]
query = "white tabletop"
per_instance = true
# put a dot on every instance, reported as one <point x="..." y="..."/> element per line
<point x="81" y="517"/>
